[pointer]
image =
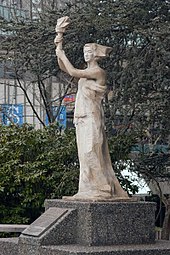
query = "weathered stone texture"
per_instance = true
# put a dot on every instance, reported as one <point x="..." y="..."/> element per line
<point x="8" y="246"/>
<point x="94" y="228"/>
<point x="111" y="223"/>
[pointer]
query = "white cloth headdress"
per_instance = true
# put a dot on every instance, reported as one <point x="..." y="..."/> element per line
<point x="100" y="50"/>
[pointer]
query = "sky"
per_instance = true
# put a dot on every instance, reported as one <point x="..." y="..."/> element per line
<point x="143" y="187"/>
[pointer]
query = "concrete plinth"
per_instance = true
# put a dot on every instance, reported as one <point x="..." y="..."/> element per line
<point x="96" y="228"/>
<point x="159" y="248"/>
<point x="8" y="246"/>
<point x="108" y="223"/>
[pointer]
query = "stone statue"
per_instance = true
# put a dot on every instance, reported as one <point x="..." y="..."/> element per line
<point x="97" y="179"/>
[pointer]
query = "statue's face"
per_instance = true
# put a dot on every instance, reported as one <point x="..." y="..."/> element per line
<point x="88" y="54"/>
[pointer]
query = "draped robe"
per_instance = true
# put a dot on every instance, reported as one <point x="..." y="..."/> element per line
<point x="97" y="177"/>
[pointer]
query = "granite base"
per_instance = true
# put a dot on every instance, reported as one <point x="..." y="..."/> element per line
<point x="159" y="248"/>
<point x="94" y="228"/>
<point x="111" y="223"/>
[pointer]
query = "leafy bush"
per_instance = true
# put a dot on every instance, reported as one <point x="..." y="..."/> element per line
<point x="34" y="165"/>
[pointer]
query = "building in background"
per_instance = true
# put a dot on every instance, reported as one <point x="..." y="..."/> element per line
<point x="33" y="7"/>
<point x="14" y="105"/>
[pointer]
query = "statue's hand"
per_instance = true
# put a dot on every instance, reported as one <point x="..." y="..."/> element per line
<point x="58" y="39"/>
<point x="60" y="53"/>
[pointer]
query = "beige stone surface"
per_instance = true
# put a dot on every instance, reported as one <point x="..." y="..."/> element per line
<point x="97" y="179"/>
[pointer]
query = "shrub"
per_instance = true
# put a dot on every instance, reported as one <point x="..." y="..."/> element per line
<point x="34" y="165"/>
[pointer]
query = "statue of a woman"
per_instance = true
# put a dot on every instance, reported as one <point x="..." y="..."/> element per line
<point x="97" y="179"/>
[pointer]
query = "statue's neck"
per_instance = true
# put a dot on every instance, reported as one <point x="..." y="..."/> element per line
<point x="92" y="64"/>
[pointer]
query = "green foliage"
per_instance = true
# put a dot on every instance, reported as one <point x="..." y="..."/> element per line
<point x="40" y="164"/>
<point x="34" y="165"/>
<point x="120" y="150"/>
<point x="120" y="146"/>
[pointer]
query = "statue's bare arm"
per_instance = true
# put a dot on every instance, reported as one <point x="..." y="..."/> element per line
<point x="97" y="73"/>
<point x="61" y="65"/>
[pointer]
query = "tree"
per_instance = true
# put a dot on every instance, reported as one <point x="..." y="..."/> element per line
<point x="34" y="64"/>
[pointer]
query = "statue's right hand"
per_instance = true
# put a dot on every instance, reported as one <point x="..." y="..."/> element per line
<point x="58" y="39"/>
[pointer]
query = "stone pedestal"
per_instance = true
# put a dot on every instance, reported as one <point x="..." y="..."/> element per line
<point x="98" y="228"/>
<point x="111" y="223"/>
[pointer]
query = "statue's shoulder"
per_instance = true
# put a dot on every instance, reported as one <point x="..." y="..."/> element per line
<point x="101" y="71"/>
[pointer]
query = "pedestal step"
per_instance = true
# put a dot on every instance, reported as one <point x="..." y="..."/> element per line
<point x="8" y="246"/>
<point x="159" y="248"/>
